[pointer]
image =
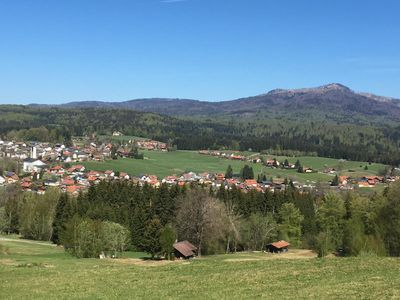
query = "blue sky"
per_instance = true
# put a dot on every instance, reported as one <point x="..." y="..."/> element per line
<point x="59" y="51"/>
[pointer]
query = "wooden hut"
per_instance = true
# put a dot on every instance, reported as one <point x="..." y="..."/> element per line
<point x="184" y="250"/>
<point x="278" y="247"/>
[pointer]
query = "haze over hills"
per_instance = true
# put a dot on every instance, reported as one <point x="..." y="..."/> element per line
<point x="328" y="99"/>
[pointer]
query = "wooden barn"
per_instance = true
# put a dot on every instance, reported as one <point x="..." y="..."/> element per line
<point x="278" y="247"/>
<point x="184" y="250"/>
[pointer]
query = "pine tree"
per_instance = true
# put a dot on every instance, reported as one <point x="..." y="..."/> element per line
<point x="151" y="237"/>
<point x="300" y="169"/>
<point x="167" y="240"/>
<point x="63" y="213"/>
<point x="286" y="163"/>
<point x="164" y="205"/>
<point x="335" y="181"/>
<point x="297" y="164"/>
<point x="229" y="172"/>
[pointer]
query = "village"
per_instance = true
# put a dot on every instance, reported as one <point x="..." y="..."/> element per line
<point x="39" y="166"/>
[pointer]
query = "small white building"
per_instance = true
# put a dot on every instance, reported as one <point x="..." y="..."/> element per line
<point x="31" y="165"/>
<point x="2" y="180"/>
<point x="117" y="133"/>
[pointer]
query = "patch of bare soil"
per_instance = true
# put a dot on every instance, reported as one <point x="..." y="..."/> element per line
<point x="291" y="254"/>
<point x="242" y="259"/>
<point x="297" y="254"/>
<point x="7" y="262"/>
<point x="143" y="262"/>
<point x="27" y="241"/>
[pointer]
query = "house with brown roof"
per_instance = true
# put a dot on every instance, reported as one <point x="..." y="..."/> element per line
<point x="184" y="250"/>
<point x="278" y="247"/>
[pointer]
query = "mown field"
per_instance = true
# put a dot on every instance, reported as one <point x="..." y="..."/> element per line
<point x="34" y="270"/>
<point x="168" y="163"/>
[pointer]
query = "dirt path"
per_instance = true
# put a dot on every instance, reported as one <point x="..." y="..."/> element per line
<point x="26" y="241"/>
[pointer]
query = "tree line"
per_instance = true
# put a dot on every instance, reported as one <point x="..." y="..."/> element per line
<point x="112" y="217"/>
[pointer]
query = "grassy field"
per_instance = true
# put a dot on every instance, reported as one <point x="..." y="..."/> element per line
<point x="42" y="271"/>
<point x="167" y="163"/>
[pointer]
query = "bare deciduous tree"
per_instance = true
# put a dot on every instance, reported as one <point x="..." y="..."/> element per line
<point x="200" y="218"/>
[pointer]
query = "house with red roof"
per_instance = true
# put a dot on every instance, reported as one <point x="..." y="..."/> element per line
<point x="278" y="247"/>
<point x="251" y="183"/>
<point x="68" y="181"/>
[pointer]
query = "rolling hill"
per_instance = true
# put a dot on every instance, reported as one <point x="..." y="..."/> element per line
<point x="330" y="100"/>
<point x="328" y="121"/>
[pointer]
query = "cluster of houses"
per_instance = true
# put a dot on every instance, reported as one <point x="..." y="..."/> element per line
<point x="144" y="144"/>
<point x="39" y="176"/>
<point x="151" y="145"/>
<point x="76" y="178"/>
<point x="348" y="182"/>
<point x="28" y="153"/>
<point x="272" y="163"/>
<point x="226" y="155"/>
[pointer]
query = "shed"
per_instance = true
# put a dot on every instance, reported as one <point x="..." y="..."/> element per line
<point x="278" y="247"/>
<point x="184" y="250"/>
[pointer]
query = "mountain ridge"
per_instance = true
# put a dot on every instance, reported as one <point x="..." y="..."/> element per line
<point x="330" y="98"/>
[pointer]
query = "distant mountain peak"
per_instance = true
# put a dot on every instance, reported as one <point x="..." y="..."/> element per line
<point x="335" y="86"/>
<point x="323" y="88"/>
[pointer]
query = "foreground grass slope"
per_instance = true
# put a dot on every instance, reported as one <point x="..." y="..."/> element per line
<point x="34" y="270"/>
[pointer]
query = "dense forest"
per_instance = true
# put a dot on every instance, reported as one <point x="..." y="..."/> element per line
<point x="379" y="143"/>
<point x="114" y="216"/>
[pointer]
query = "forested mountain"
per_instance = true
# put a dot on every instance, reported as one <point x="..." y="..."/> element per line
<point x="330" y="121"/>
<point x="333" y="102"/>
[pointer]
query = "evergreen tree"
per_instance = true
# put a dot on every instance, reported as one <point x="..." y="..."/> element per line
<point x="167" y="240"/>
<point x="229" y="172"/>
<point x="335" y="181"/>
<point x="259" y="178"/>
<point x="297" y="164"/>
<point x="151" y="237"/>
<point x="114" y="152"/>
<point x="286" y="163"/>
<point x="300" y="169"/>
<point x="247" y="172"/>
<point x="164" y="205"/>
<point x="63" y="213"/>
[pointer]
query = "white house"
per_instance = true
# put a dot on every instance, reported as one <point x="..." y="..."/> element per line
<point x="2" y="180"/>
<point x="117" y="133"/>
<point x="31" y="164"/>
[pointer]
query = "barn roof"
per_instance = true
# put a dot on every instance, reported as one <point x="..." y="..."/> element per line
<point x="280" y="244"/>
<point x="185" y="248"/>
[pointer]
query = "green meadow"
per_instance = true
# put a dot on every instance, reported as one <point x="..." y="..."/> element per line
<point x="168" y="163"/>
<point x="33" y="270"/>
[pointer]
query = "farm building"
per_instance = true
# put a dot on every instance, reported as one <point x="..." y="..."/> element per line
<point x="184" y="250"/>
<point x="277" y="247"/>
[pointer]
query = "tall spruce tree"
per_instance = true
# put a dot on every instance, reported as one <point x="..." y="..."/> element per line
<point x="229" y="172"/>
<point x="151" y="237"/>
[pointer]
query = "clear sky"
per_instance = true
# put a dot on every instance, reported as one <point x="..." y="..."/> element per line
<point x="113" y="50"/>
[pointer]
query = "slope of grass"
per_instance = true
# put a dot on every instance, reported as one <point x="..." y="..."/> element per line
<point x="39" y="271"/>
